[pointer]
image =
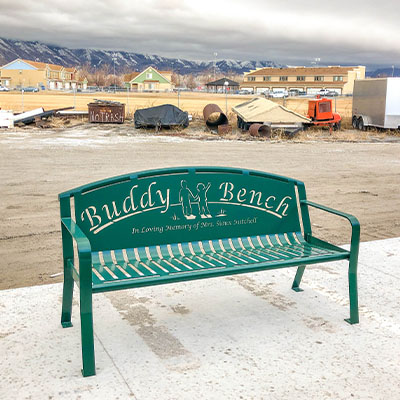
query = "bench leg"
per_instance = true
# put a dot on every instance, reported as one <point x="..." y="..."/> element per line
<point x="297" y="279"/>
<point x="89" y="367"/>
<point x="353" y="293"/>
<point x="68" y="287"/>
<point x="68" y="290"/>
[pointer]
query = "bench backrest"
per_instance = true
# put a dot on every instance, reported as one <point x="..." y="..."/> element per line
<point x="183" y="205"/>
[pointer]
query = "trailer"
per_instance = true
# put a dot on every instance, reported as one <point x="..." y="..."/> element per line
<point x="376" y="103"/>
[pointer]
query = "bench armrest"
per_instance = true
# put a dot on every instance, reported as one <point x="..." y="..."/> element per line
<point x="82" y="242"/>
<point x="355" y="224"/>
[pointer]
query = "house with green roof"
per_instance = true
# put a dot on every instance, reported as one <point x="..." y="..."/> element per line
<point x="150" y="80"/>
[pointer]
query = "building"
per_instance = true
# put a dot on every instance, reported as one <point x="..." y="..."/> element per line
<point x="22" y="73"/>
<point x="150" y="80"/>
<point x="308" y="79"/>
<point x="222" y="85"/>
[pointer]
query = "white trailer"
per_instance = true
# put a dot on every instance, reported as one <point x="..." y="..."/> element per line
<point x="376" y="103"/>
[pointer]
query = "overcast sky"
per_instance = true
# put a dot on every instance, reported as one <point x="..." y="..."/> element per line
<point x="287" y="31"/>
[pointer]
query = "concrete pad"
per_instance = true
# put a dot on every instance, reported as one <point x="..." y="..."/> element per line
<point x="242" y="337"/>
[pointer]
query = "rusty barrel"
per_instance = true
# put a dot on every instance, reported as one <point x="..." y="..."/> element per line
<point x="260" y="130"/>
<point x="213" y="116"/>
<point x="106" y="113"/>
<point x="224" y="129"/>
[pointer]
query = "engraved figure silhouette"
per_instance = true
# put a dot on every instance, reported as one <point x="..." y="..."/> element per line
<point x="202" y="197"/>
<point x="185" y="197"/>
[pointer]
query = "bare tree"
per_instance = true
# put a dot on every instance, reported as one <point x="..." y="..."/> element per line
<point x="176" y="79"/>
<point x="100" y="75"/>
<point x="190" y="81"/>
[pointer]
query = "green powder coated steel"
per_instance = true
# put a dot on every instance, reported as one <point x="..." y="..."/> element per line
<point x="150" y="209"/>
<point x="164" y="226"/>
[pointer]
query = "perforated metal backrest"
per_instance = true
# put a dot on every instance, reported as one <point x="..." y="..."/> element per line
<point x="184" y="204"/>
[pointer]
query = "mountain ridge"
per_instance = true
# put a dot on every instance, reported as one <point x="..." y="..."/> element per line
<point x="125" y="61"/>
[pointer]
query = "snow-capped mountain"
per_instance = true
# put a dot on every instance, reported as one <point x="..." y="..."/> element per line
<point x="124" y="61"/>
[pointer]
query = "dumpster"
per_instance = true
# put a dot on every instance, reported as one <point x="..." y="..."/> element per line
<point x="106" y="112"/>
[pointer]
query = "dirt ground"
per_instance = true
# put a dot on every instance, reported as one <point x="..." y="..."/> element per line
<point x="35" y="165"/>
<point x="193" y="102"/>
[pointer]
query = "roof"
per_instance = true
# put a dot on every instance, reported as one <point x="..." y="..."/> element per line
<point x="334" y="70"/>
<point x="41" y="66"/>
<point x="263" y="110"/>
<point x="136" y="76"/>
<point x="221" y="82"/>
<point x="55" y="67"/>
<point x="36" y="64"/>
<point x="130" y="76"/>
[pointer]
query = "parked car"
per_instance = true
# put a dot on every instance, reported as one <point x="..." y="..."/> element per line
<point x="4" y="89"/>
<point x="332" y="93"/>
<point x="278" y="94"/>
<point x="323" y="92"/>
<point x="114" y="88"/>
<point x="29" y="89"/>
<point x="245" y="91"/>
<point x="297" y="92"/>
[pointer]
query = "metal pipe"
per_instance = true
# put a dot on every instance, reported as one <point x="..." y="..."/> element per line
<point x="210" y="109"/>
<point x="260" y="130"/>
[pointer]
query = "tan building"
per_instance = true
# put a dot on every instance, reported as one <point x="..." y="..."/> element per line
<point x="150" y="80"/>
<point x="308" y="79"/>
<point x="22" y="73"/>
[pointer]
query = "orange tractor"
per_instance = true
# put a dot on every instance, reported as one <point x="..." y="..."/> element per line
<point x="320" y="113"/>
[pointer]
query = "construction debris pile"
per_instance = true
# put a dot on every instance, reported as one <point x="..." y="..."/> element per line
<point x="38" y="116"/>
<point x="267" y="115"/>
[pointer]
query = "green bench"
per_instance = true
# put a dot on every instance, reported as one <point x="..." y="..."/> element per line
<point x="180" y="224"/>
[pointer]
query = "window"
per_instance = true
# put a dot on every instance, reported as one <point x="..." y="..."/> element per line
<point x="318" y="78"/>
<point x="283" y="78"/>
<point x="301" y="78"/>
<point x="266" y="78"/>
<point x="149" y="75"/>
<point x="251" y="78"/>
<point x="324" y="107"/>
<point x="338" y="79"/>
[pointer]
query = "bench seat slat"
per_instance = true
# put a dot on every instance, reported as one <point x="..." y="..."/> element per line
<point x="210" y="272"/>
<point x="160" y="262"/>
<point x="274" y="251"/>
<point x="252" y="253"/>
<point x="229" y="247"/>
<point x="110" y="261"/>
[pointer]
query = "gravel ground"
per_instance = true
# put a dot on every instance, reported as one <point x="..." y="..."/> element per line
<point x="361" y="178"/>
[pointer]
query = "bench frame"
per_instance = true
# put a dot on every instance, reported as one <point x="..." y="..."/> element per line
<point x="71" y="233"/>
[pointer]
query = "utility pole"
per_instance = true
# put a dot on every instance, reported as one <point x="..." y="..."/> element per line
<point x="226" y="84"/>
<point x="115" y="78"/>
<point x="215" y="65"/>
<point x="127" y="100"/>
<point x="22" y="94"/>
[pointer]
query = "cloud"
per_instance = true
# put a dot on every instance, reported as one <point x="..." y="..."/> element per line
<point x="285" y="31"/>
